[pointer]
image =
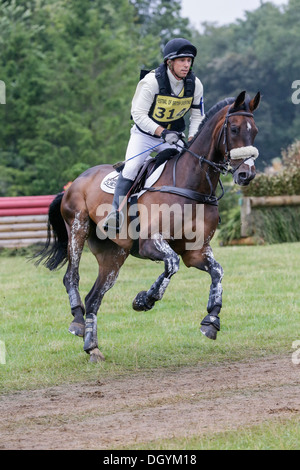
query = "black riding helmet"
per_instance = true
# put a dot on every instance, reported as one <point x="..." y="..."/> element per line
<point x="179" y="47"/>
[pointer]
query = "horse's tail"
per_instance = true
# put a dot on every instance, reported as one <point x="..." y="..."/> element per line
<point x="54" y="255"/>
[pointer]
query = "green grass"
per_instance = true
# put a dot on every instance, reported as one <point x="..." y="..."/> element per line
<point x="277" y="434"/>
<point x="260" y="317"/>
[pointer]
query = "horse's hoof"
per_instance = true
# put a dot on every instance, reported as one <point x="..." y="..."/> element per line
<point x="209" y="331"/>
<point x="96" y="355"/>
<point x="141" y="303"/>
<point x="77" y="329"/>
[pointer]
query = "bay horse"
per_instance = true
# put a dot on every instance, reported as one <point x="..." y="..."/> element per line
<point x="223" y="143"/>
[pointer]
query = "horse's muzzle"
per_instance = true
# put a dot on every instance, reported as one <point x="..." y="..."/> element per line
<point x="243" y="178"/>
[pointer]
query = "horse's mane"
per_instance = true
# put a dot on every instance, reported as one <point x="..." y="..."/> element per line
<point x="211" y="112"/>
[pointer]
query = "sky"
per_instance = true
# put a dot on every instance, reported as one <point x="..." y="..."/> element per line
<point x="219" y="11"/>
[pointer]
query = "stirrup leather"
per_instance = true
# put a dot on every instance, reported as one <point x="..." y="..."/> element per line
<point x="114" y="221"/>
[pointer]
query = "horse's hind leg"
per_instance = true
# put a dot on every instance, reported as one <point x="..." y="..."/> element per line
<point x="110" y="258"/>
<point x="156" y="249"/>
<point x="78" y="231"/>
<point x="205" y="261"/>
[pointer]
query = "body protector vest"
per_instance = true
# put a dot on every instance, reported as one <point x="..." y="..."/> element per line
<point x="167" y="109"/>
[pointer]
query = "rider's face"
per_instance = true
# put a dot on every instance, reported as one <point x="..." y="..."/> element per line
<point x="180" y="67"/>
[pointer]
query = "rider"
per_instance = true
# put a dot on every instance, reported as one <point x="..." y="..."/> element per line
<point x="161" y="100"/>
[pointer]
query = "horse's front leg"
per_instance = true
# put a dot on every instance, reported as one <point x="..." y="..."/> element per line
<point x="156" y="249"/>
<point x="205" y="261"/>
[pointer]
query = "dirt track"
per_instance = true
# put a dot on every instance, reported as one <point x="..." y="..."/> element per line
<point x="146" y="406"/>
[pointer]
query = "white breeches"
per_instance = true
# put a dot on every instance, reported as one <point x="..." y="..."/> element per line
<point x="138" y="143"/>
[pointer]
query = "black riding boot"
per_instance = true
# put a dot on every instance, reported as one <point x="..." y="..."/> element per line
<point x="115" y="219"/>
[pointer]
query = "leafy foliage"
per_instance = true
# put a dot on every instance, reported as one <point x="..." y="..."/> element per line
<point x="229" y="209"/>
<point x="70" y="78"/>
<point x="286" y="181"/>
<point x="277" y="224"/>
<point x="260" y="52"/>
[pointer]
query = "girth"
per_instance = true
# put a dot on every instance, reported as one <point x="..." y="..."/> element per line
<point x="188" y="193"/>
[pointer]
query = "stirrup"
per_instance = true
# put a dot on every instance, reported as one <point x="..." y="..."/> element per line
<point x="114" y="221"/>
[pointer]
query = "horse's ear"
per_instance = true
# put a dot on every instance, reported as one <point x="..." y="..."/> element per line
<point x="239" y="100"/>
<point x="254" y="103"/>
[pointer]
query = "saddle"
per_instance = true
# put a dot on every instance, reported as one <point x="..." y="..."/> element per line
<point x="151" y="171"/>
<point x="148" y="168"/>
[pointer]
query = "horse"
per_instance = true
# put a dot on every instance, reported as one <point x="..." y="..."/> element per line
<point x="223" y="143"/>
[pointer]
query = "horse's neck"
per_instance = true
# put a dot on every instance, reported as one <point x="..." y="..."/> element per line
<point x="196" y="175"/>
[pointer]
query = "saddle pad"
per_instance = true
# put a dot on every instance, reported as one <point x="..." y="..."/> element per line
<point x="109" y="182"/>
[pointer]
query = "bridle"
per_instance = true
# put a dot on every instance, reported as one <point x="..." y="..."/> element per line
<point x="224" y="167"/>
<point x="224" y="129"/>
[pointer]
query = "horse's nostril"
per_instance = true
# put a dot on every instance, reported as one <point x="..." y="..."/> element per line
<point x="244" y="178"/>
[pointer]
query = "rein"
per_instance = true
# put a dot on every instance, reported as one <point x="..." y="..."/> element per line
<point x="210" y="199"/>
<point x="223" y="168"/>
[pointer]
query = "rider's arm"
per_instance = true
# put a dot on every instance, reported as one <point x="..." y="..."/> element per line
<point x="196" y="114"/>
<point x="142" y="102"/>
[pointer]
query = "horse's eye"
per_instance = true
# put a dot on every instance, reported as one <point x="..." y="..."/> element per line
<point x="234" y="130"/>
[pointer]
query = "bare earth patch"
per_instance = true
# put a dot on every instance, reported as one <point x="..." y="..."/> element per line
<point x="140" y="407"/>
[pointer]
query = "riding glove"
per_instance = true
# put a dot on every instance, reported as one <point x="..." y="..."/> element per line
<point x="171" y="137"/>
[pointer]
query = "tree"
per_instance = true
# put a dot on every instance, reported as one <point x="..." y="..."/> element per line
<point x="258" y="53"/>
<point x="22" y="68"/>
<point x="70" y="72"/>
<point x="161" y="19"/>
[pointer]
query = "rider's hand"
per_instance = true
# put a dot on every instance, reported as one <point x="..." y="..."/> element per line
<point x="171" y="137"/>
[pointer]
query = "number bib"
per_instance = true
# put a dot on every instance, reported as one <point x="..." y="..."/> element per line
<point x="167" y="109"/>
